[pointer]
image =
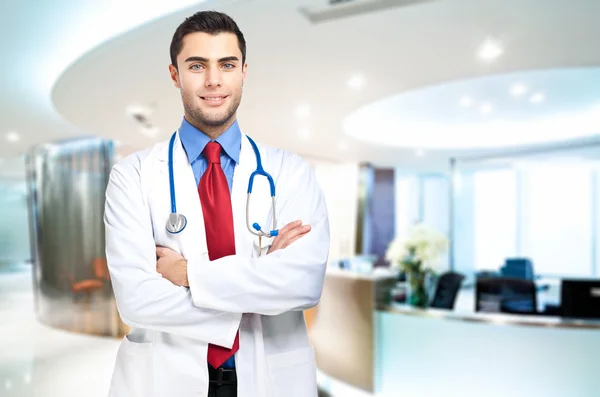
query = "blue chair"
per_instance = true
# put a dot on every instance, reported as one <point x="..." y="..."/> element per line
<point x="518" y="268"/>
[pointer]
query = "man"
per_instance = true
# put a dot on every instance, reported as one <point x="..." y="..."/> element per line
<point x="214" y="316"/>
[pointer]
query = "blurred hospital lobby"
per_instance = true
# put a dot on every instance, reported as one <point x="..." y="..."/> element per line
<point x="457" y="144"/>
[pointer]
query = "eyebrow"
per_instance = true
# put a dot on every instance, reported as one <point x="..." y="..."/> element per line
<point x="202" y="59"/>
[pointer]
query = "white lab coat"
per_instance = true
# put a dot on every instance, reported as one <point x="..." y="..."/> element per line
<point x="165" y="353"/>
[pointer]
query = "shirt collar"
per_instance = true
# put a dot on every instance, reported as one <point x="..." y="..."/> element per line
<point x="194" y="141"/>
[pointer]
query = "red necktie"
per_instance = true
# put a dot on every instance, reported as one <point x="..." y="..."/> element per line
<point x="215" y="199"/>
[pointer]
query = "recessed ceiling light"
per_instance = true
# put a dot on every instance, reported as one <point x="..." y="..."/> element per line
<point x="149" y="131"/>
<point x="12" y="137"/>
<point x="518" y="90"/>
<point x="303" y="111"/>
<point x="486" y="108"/>
<point x="356" y="82"/>
<point x="304" y="133"/>
<point x="537" y="98"/>
<point x="489" y="50"/>
<point x="466" y="101"/>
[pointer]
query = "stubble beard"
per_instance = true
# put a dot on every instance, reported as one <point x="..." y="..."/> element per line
<point x="205" y="121"/>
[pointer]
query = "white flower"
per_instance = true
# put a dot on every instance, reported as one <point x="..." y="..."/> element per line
<point x="427" y="244"/>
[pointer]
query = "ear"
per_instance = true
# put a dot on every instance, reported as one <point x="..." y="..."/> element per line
<point x="174" y="75"/>
<point x="244" y="72"/>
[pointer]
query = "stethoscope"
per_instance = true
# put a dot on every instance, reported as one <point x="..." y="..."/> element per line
<point x="177" y="222"/>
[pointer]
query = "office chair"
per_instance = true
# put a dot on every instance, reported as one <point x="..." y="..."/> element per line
<point x="505" y="295"/>
<point x="517" y="268"/>
<point x="446" y="290"/>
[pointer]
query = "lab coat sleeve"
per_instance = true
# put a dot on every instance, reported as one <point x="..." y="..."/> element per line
<point x="285" y="280"/>
<point x="145" y="299"/>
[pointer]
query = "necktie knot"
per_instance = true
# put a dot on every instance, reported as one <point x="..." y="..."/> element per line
<point x="212" y="152"/>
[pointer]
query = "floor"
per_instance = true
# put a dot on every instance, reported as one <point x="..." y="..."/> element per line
<point x="36" y="360"/>
<point x="41" y="361"/>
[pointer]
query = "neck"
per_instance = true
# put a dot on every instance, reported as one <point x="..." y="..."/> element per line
<point x="213" y="132"/>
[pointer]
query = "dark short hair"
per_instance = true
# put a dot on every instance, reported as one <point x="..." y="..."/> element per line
<point x="211" y="22"/>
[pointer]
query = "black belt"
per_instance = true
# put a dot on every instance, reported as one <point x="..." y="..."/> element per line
<point x="222" y="376"/>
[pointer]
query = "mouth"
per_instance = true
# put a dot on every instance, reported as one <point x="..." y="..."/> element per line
<point x="214" y="100"/>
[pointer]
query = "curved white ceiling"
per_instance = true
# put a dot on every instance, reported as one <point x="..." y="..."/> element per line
<point x="292" y="63"/>
<point x="38" y="42"/>
<point x="495" y="111"/>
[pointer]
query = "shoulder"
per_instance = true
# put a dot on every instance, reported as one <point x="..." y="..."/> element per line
<point x="284" y="160"/>
<point x="133" y="164"/>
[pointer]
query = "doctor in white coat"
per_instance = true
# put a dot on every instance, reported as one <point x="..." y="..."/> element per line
<point x="184" y="302"/>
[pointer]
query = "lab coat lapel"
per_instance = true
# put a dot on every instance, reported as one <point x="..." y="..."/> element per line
<point x="192" y="240"/>
<point x="241" y="176"/>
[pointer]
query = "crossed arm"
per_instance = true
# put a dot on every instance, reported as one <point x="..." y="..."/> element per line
<point x="172" y="266"/>
<point x="288" y="278"/>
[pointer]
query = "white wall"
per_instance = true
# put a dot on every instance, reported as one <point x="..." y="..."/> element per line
<point x="339" y="182"/>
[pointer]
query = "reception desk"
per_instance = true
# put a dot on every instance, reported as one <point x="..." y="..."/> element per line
<point x="342" y="326"/>
<point x="443" y="353"/>
<point x="395" y="350"/>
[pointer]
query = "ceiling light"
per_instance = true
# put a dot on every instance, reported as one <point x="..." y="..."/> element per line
<point x="303" y="111"/>
<point x="518" y="90"/>
<point x="466" y="102"/>
<point x="12" y="137"/>
<point x="304" y="133"/>
<point x="149" y="131"/>
<point x="486" y="108"/>
<point x="537" y="98"/>
<point x="356" y="82"/>
<point x="489" y="50"/>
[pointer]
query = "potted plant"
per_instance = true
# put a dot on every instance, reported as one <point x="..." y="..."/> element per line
<point x="418" y="255"/>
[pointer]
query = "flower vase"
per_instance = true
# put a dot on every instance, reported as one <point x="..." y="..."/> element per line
<point x="418" y="295"/>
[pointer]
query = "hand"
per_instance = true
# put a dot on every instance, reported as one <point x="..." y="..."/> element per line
<point x="172" y="266"/>
<point x="288" y="234"/>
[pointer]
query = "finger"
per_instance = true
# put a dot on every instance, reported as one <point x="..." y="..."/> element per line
<point x="161" y="251"/>
<point x="291" y="241"/>
<point x="289" y="227"/>
<point x="295" y="232"/>
<point x="284" y="233"/>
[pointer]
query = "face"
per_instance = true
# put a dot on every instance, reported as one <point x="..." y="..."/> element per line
<point x="210" y="76"/>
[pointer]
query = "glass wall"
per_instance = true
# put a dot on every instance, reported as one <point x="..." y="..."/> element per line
<point x="15" y="248"/>
<point x="543" y="207"/>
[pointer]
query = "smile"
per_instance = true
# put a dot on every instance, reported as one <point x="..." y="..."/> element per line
<point x="214" y="100"/>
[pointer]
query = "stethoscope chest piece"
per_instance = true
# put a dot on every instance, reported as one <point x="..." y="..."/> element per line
<point x="176" y="223"/>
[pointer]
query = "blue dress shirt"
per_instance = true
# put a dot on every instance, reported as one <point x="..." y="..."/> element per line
<point x="194" y="141"/>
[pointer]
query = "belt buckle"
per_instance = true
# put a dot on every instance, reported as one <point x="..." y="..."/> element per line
<point x="219" y="376"/>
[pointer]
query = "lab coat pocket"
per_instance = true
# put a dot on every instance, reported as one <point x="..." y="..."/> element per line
<point x="293" y="373"/>
<point x="265" y="244"/>
<point x="134" y="370"/>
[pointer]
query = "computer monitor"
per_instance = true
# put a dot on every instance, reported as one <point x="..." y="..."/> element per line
<point x="580" y="298"/>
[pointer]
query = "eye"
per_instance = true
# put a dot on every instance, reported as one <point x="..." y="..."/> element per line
<point x="196" y="66"/>
<point x="228" y="65"/>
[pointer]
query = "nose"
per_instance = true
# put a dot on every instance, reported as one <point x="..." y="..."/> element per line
<point x="213" y="77"/>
